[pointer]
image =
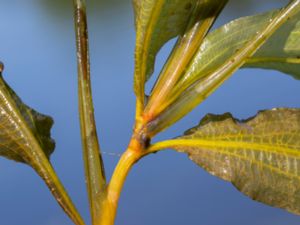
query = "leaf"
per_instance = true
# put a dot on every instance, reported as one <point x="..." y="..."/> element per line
<point x="25" y="137"/>
<point x="201" y="20"/>
<point x="157" y="21"/>
<point x="39" y="124"/>
<point x="212" y="65"/>
<point x="280" y="52"/>
<point x="260" y="155"/>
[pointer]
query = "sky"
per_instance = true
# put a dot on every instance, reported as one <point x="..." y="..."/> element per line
<point x="37" y="45"/>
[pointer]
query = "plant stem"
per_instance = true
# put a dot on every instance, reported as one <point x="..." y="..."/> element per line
<point x="133" y="154"/>
<point x="94" y="169"/>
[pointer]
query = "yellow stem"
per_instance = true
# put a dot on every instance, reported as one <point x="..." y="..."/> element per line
<point x="291" y="60"/>
<point x="109" y="206"/>
<point x="219" y="144"/>
<point x="138" y="145"/>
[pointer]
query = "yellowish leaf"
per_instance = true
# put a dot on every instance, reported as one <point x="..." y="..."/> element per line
<point x="260" y="156"/>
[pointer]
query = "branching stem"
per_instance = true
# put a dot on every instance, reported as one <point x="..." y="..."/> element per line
<point x="133" y="154"/>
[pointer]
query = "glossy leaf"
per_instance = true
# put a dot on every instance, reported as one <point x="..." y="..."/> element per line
<point x="280" y="52"/>
<point x="212" y="66"/>
<point x="200" y="22"/>
<point x="157" y="21"/>
<point x="260" y="156"/>
<point x="39" y="124"/>
<point x="25" y="137"/>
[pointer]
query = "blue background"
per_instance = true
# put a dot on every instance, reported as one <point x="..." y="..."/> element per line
<point x="37" y="47"/>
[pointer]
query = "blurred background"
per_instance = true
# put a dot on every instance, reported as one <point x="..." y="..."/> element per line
<point x="37" y="45"/>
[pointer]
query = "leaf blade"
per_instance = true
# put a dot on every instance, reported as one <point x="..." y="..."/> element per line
<point x="23" y="133"/>
<point x="282" y="47"/>
<point x="260" y="156"/>
<point x="282" y="51"/>
<point x="185" y="98"/>
<point x="201" y="20"/>
<point x="151" y="17"/>
<point x="39" y="124"/>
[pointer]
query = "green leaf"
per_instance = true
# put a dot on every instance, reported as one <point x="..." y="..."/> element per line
<point x="201" y="20"/>
<point x="280" y="52"/>
<point x="25" y="137"/>
<point x="40" y="125"/>
<point x="260" y="155"/>
<point x="157" y="21"/>
<point x="217" y="59"/>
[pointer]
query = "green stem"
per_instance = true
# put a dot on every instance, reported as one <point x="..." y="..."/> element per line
<point x="94" y="169"/>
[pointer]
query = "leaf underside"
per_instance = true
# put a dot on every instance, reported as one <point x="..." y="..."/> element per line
<point x="227" y="49"/>
<point x="15" y="143"/>
<point x="25" y="137"/>
<point x="260" y="156"/>
<point x="281" y="52"/>
<point x="151" y="18"/>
